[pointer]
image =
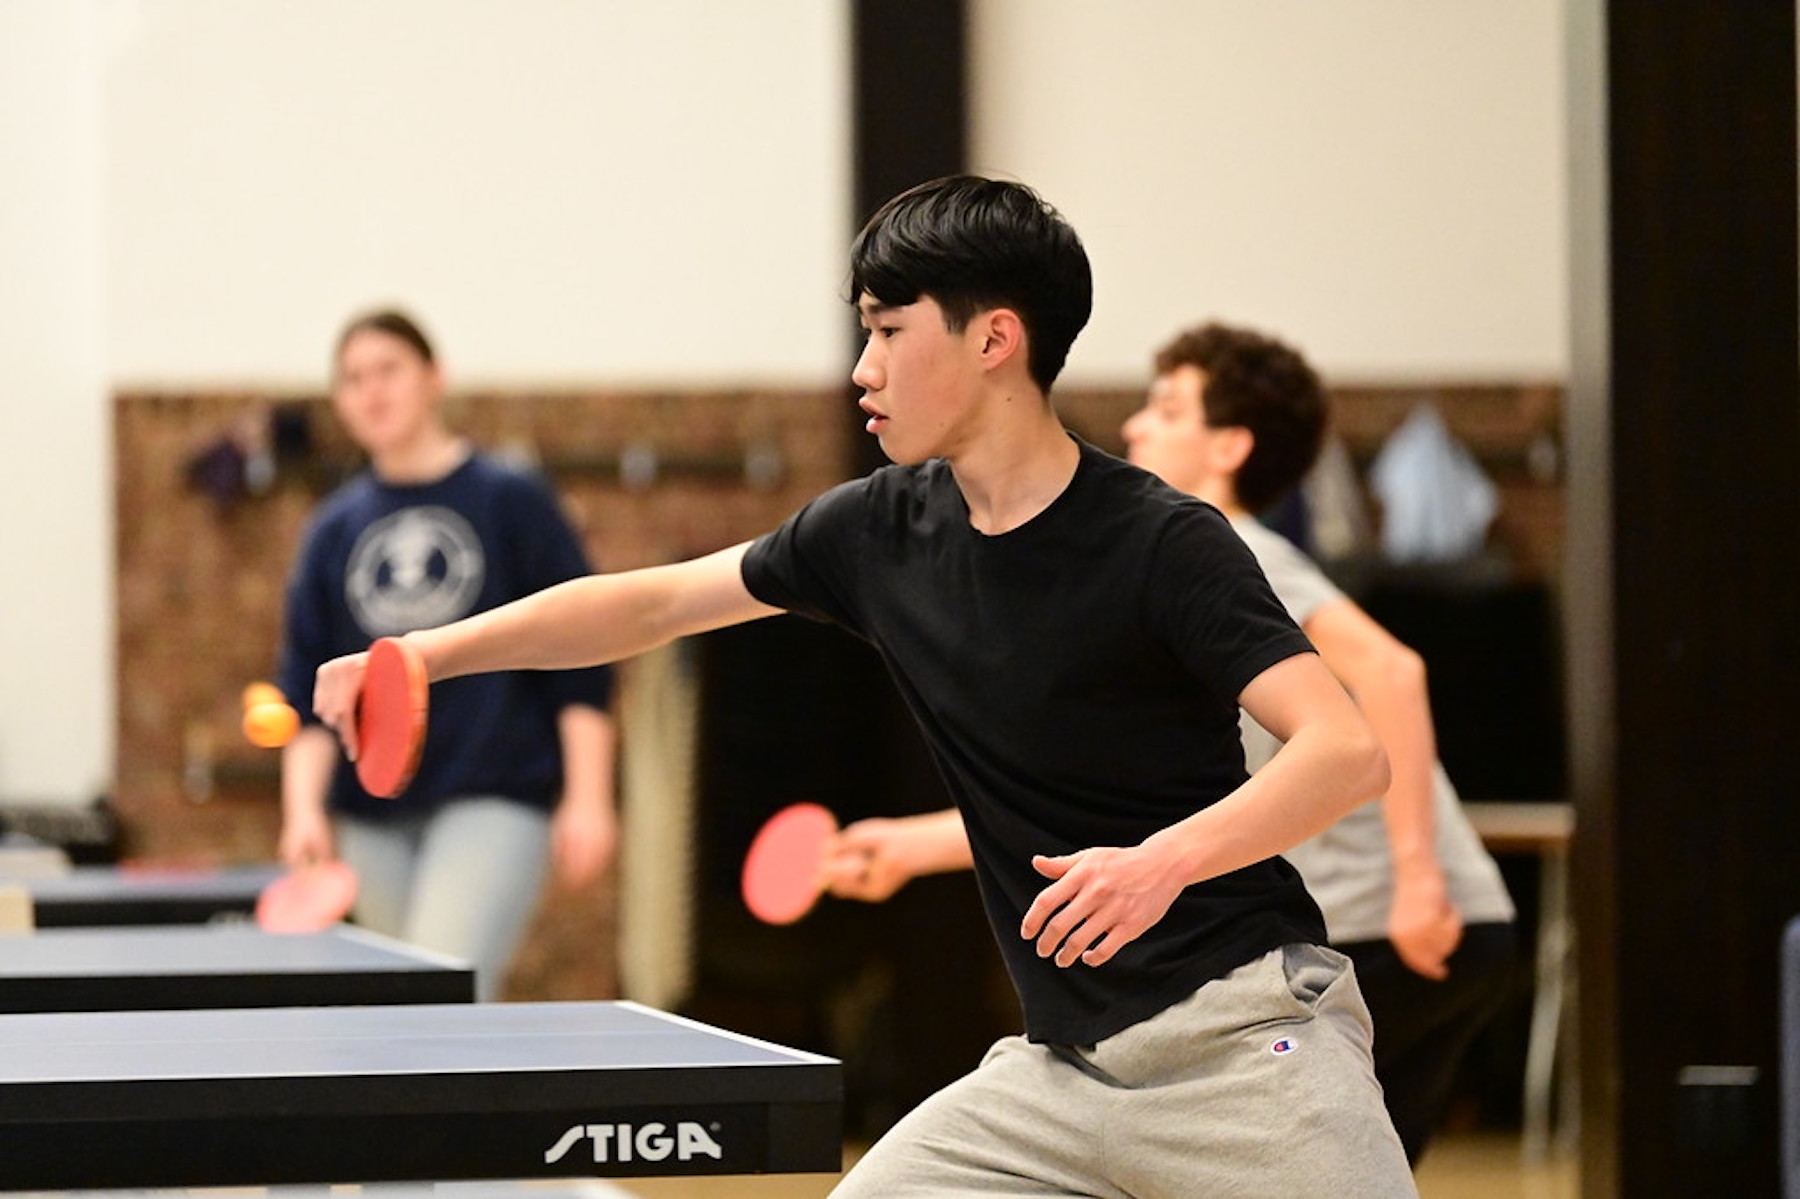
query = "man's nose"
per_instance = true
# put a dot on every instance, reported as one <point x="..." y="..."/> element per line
<point x="866" y="374"/>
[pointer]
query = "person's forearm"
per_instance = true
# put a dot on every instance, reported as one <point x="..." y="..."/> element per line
<point x="872" y="859"/>
<point x="939" y="842"/>
<point x="1387" y="679"/>
<point x="1317" y="777"/>
<point x="307" y="764"/>
<point x="583" y="622"/>
<point x="584" y="829"/>
<point x="1102" y="898"/>
<point x="1397" y="706"/>
<point x="593" y="620"/>
<point x="589" y="746"/>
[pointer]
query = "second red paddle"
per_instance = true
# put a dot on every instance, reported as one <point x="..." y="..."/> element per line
<point x="390" y="718"/>
<point x="307" y="898"/>
<point x="783" y="871"/>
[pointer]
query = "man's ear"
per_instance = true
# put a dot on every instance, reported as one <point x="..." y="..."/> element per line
<point x="1230" y="447"/>
<point x="999" y="335"/>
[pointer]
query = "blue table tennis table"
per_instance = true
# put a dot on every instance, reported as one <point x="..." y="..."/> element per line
<point x="88" y="896"/>
<point x="180" y="966"/>
<point x="276" y="1096"/>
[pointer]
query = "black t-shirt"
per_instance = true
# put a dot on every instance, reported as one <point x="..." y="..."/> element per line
<point x="1077" y="681"/>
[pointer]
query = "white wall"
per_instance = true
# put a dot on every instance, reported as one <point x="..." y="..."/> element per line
<point x="564" y="190"/>
<point x="56" y="633"/>
<point x="197" y="192"/>
<point x="1380" y="180"/>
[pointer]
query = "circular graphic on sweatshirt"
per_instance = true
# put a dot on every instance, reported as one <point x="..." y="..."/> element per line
<point x="415" y="569"/>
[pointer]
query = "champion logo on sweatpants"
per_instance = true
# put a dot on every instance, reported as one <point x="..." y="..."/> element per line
<point x="1284" y="1046"/>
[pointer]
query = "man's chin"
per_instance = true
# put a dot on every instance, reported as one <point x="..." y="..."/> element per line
<point x="900" y="456"/>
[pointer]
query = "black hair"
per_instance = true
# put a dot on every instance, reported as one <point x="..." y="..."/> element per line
<point x="1255" y="382"/>
<point x="970" y="244"/>
<point x="394" y="323"/>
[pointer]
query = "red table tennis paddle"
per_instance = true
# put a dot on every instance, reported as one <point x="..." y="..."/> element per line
<point x="307" y="898"/>
<point x="390" y="718"/>
<point x="782" y="876"/>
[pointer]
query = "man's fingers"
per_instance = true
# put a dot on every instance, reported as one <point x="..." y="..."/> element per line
<point x="1102" y="953"/>
<point x="1092" y="942"/>
<point x="1054" y="940"/>
<point x="1051" y="898"/>
<point x="845" y="872"/>
<point x="1064" y="931"/>
<point x="1077" y="945"/>
<point x="1092" y="910"/>
<point x="1423" y="963"/>
<point x="336" y="688"/>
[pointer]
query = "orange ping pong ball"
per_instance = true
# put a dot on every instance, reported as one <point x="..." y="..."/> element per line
<point x="262" y="693"/>
<point x="271" y="725"/>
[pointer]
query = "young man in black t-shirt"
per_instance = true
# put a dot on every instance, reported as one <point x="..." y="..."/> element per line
<point x="1074" y="638"/>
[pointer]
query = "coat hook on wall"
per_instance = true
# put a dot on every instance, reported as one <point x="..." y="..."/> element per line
<point x="764" y="466"/>
<point x="638" y="466"/>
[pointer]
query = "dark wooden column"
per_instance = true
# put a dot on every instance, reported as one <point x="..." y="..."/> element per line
<point x="1683" y="607"/>
<point x="909" y="63"/>
<point x="910" y="117"/>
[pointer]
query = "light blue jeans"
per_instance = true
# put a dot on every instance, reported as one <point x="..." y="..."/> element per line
<point x="463" y="880"/>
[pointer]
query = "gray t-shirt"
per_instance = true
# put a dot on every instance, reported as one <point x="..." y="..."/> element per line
<point x="1348" y="867"/>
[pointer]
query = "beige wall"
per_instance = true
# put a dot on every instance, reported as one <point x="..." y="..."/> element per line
<point x="567" y="191"/>
<point x="56" y="648"/>
<point x="614" y="192"/>
<point x="1382" y="180"/>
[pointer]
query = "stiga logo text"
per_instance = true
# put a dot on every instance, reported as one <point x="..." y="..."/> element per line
<point x="653" y="1142"/>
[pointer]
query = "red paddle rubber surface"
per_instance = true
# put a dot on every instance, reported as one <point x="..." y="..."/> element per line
<point x="307" y="898"/>
<point x="390" y="718"/>
<point x="781" y="872"/>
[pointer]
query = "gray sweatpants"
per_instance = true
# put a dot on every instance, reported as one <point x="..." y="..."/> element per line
<point x="1259" y="1085"/>
<point x="463" y="880"/>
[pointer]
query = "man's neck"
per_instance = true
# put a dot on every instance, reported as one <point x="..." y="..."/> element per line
<point x="1016" y="472"/>
<point x="1221" y="495"/>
